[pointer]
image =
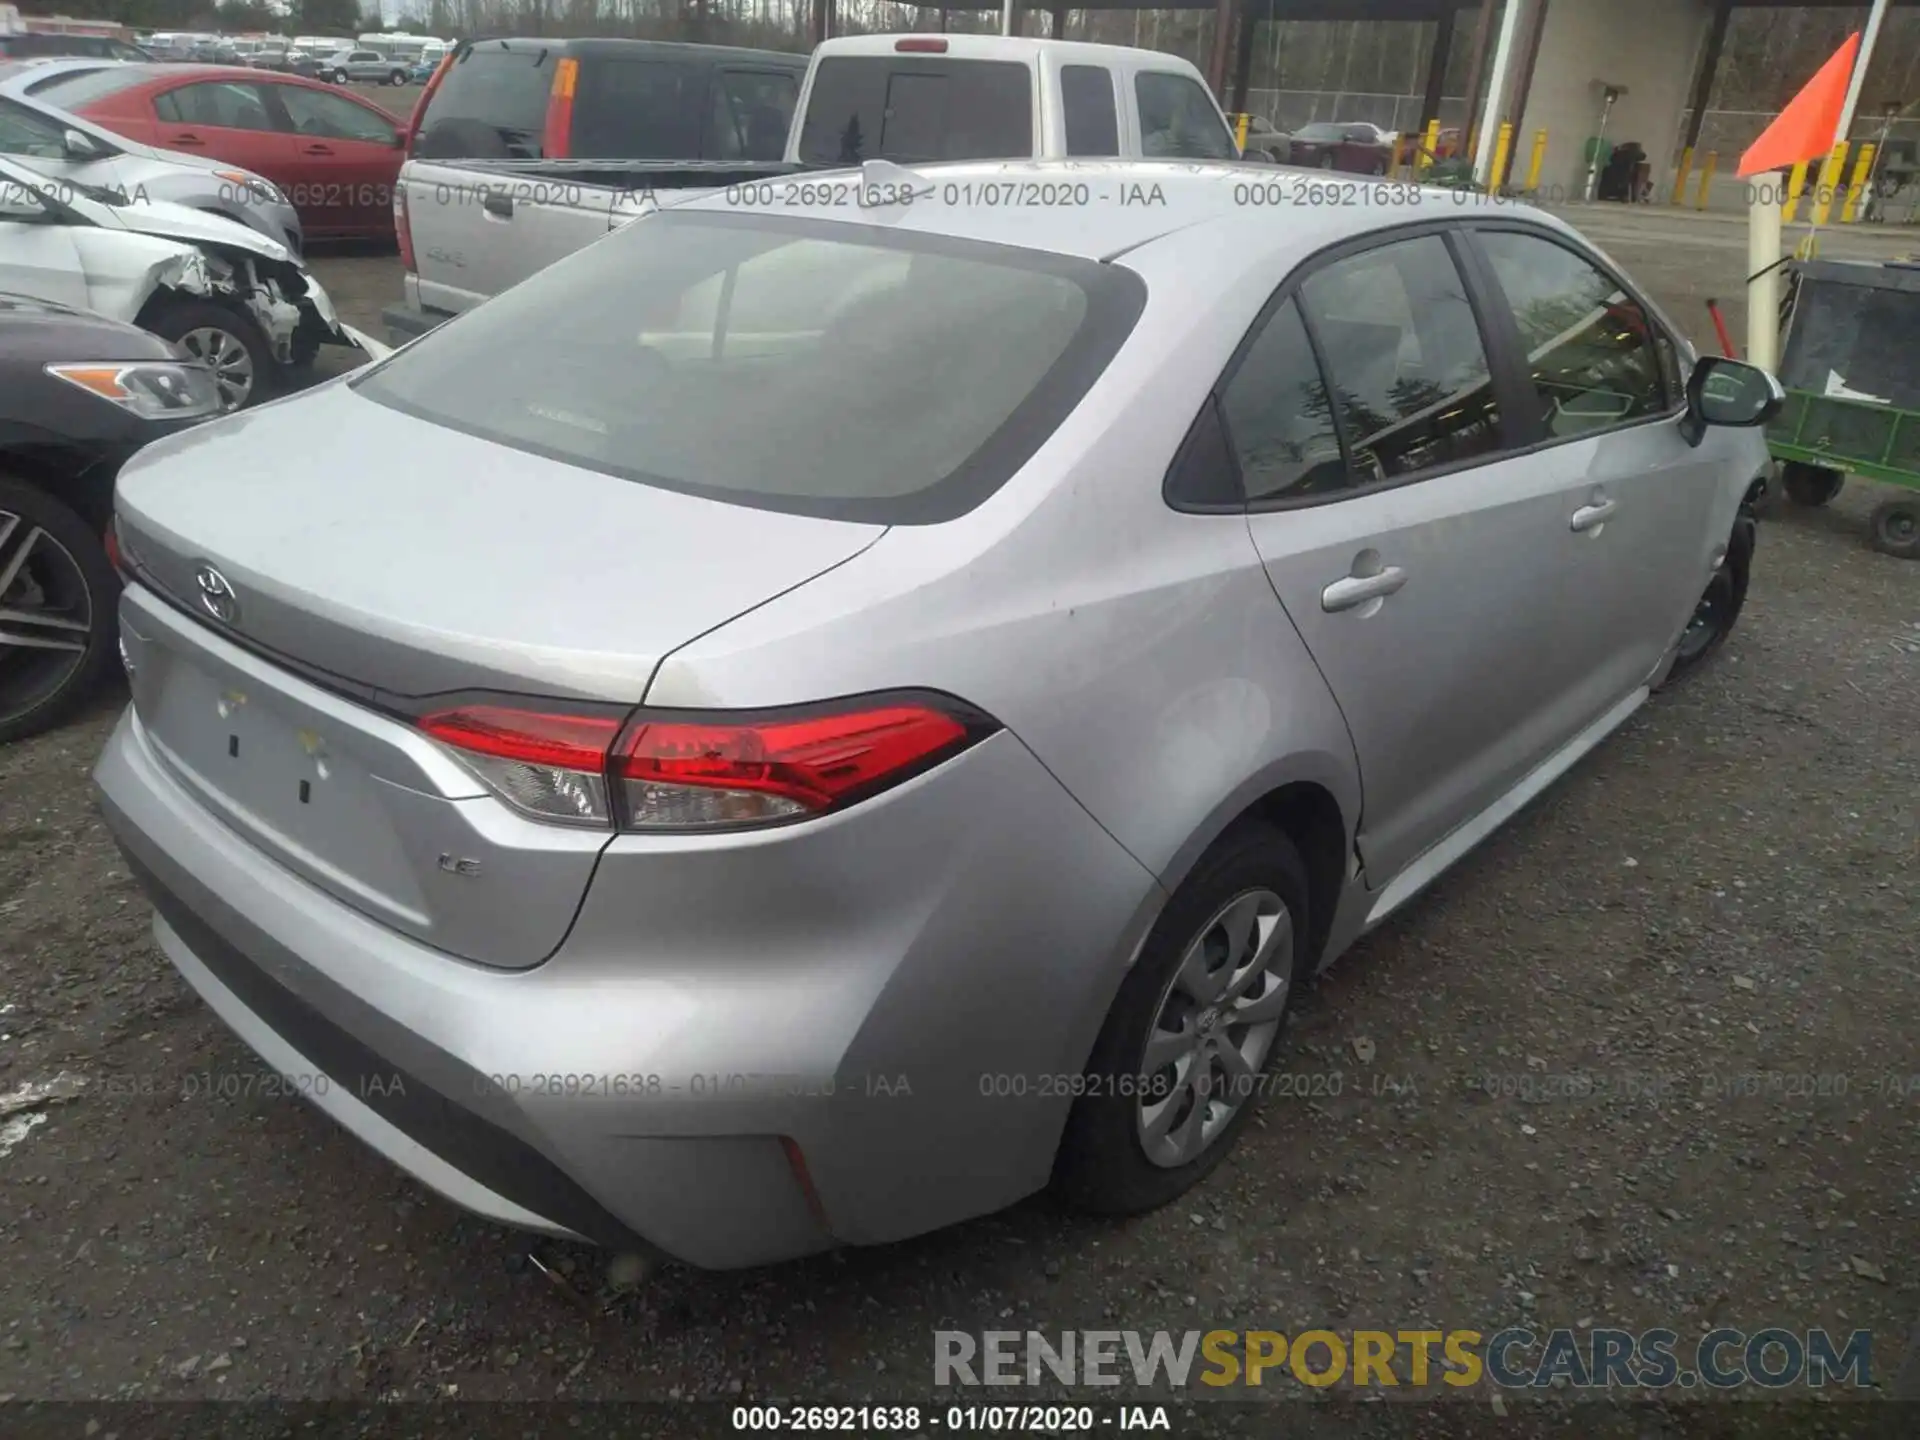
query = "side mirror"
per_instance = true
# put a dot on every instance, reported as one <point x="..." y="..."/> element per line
<point x="1730" y="393"/>
<point x="399" y="137"/>
<point x="80" y="146"/>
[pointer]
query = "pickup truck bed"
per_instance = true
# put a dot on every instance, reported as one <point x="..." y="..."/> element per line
<point x="479" y="226"/>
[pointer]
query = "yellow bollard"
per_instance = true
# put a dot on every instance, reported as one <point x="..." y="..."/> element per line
<point x="1830" y="173"/>
<point x="1707" y="167"/>
<point x="1857" y="187"/>
<point x="1680" y="177"/>
<point x="1539" y="159"/>
<point x="1240" y="132"/>
<point x="1796" y="186"/>
<point x="1432" y="144"/>
<point x="1502" y="147"/>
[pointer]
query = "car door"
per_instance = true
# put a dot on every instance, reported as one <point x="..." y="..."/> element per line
<point x="346" y="156"/>
<point x="224" y="120"/>
<point x="37" y="253"/>
<point x="1416" y="556"/>
<point x="1603" y="380"/>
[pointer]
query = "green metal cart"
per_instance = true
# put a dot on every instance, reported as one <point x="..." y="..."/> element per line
<point x="1850" y="365"/>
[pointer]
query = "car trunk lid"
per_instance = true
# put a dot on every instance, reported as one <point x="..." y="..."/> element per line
<point x="367" y="561"/>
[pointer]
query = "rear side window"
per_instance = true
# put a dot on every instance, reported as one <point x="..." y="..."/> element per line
<point x="752" y="112"/>
<point x="1086" y="95"/>
<point x="1404" y="356"/>
<point x="889" y="377"/>
<point x="1280" y="417"/>
<point x="490" y="105"/>
<point x="911" y="108"/>
<point x="1178" y="119"/>
<point x="639" y="109"/>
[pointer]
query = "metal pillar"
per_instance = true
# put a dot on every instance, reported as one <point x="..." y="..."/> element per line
<point x="1477" y="69"/>
<point x="1223" y="13"/>
<point x="1437" y="66"/>
<point x="1709" y="66"/>
<point x="1503" y="55"/>
<point x="1525" y="88"/>
<point x="1860" y="67"/>
<point x="1243" y="60"/>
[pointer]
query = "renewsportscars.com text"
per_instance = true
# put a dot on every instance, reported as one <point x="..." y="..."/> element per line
<point x="1514" y="1358"/>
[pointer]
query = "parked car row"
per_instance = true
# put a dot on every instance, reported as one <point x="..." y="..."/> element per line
<point x="332" y="155"/>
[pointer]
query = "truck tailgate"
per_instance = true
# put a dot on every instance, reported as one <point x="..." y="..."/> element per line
<point x="476" y="232"/>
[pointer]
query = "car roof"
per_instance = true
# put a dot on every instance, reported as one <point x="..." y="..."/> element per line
<point x="1125" y="204"/>
<point x="658" y="49"/>
<point x="1022" y="48"/>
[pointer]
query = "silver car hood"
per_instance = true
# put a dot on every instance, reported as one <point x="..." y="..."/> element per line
<point x="414" y="559"/>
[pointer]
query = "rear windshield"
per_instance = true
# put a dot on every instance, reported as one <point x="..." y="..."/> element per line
<point x="73" y="89"/>
<point x="917" y="108"/>
<point x="490" y="105"/>
<point x="817" y="368"/>
<point x="1321" y="132"/>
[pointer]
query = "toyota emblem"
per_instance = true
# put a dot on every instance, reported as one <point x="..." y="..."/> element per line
<point x="216" y="594"/>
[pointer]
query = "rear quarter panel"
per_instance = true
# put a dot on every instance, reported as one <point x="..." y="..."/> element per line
<point x="1139" y="652"/>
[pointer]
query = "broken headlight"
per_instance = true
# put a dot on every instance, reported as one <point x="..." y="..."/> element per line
<point x="151" y="389"/>
<point x="254" y="185"/>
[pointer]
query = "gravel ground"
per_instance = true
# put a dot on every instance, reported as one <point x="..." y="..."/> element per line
<point x="1539" y="1114"/>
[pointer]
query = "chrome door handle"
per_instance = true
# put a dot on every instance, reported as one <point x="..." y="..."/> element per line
<point x="1356" y="590"/>
<point x="1588" y="517"/>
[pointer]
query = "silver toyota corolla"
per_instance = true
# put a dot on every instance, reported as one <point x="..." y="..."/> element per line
<point x="797" y="726"/>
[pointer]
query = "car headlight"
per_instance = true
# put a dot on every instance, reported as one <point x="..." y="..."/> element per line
<point x="253" y="184"/>
<point x="151" y="389"/>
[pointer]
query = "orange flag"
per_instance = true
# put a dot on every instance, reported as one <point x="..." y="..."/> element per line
<point x="1806" y="129"/>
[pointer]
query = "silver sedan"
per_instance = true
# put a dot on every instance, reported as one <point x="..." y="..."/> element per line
<point x="881" y="706"/>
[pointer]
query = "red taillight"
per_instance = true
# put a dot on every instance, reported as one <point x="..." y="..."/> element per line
<point x="403" y="227"/>
<point x="680" y="774"/>
<point x="719" y="772"/>
<point x="558" y="138"/>
<point x="112" y="541"/>
<point x="921" y="45"/>
<point x="552" y="766"/>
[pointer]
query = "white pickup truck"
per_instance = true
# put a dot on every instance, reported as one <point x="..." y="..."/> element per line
<point x="523" y="151"/>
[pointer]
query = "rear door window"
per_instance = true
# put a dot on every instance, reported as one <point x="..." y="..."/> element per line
<point x="1086" y="95"/>
<point x="639" y="109"/>
<point x="491" y="104"/>
<point x="219" y="103"/>
<point x="917" y="108"/>
<point x="1405" y="359"/>
<point x="752" y="110"/>
<point x="1178" y="119"/>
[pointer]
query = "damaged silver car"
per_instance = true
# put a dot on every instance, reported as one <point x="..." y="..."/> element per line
<point x="227" y="295"/>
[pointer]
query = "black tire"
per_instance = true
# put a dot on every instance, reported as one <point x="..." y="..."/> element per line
<point x="340" y="77"/>
<point x="1102" y="1164"/>
<point x="177" y="319"/>
<point x="1810" y="485"/>
<point x="396" y="77"/>
<point x="37" y="691"/>
<point x="1720" y="604"/>
<point x="1896" y="527"/>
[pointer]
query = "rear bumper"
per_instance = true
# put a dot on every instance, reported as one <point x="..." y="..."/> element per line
<point x="713" y="1002"/>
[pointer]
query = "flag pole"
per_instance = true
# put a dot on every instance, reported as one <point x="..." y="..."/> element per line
<point x="1860" y="67"/>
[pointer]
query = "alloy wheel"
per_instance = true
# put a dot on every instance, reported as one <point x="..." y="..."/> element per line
<point x="1214" y="1026"/>
<point x="222" y="352"/>
<point x="45" y="615"/>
